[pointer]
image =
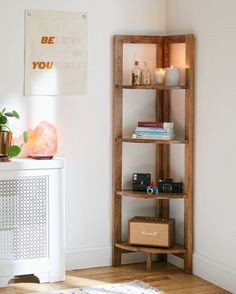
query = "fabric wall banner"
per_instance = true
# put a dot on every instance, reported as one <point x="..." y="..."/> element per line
<point x="55" y="53"/>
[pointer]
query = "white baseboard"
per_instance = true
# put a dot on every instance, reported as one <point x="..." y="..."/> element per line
<point x="175" y="260"/>
<point x="215" y="272"/>
<point x="88" y="257"/>
<point x="210" y="270"/>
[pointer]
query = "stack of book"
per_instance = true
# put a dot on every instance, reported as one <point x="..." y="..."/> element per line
<point x="154" y="130"/>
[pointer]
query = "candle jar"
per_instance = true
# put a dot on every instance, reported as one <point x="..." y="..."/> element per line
<point x="146" y="75"/>
<point x="160" y="76"/>
<point x="172" y="76"/>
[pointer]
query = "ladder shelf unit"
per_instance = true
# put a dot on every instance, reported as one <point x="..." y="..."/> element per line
<point x="162" y="146"/>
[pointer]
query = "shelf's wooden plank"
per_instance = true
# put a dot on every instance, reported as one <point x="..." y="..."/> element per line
<point x="154" y="87"/>
<point x="189" y="134"/>
<point x="117" y="109"/>
<point x="142" y="195"/>
<point x="175" y="39"/>
<point x="176" y="248"/>
<point x="131" y="140"/>
<point x="138" y="39"/>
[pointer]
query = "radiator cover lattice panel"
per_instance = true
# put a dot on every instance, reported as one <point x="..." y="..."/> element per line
<point x="24" y="218"/>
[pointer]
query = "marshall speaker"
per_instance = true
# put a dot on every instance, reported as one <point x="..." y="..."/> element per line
<point x="151" y="231"/>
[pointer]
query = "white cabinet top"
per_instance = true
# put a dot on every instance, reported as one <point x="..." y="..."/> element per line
<point x="25" y="163"/>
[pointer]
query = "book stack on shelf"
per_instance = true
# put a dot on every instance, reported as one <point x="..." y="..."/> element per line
<point x="154" y="130"/>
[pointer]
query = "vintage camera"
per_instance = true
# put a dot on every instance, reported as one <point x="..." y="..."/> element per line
<point x="141" y="181"/>
<point x="168" y="186"/>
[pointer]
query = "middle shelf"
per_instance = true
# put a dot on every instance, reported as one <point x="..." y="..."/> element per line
<point x="144" y="195"/>
<point x="131" y="140"/>
<point x="154" y="87"/>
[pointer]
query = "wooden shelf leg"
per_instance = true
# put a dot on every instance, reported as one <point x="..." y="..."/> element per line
<point x="116" y="257"/>
<point x="149" y="262"/>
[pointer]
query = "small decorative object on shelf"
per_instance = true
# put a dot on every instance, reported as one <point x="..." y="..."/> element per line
<point x="172" y="76"/>
<point x="136" y="74"/>
<point x="152" y="189"/>
<point x="141" y="181"/>
<point x="159" y="76"/>
<point x="151" y="231"/>
<point x="146" y="75"/>
<point x="154" y="130"/>
<point x="168" y="186"/>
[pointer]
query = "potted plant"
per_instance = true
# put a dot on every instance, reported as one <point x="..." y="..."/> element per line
<point x="7" y="146"/>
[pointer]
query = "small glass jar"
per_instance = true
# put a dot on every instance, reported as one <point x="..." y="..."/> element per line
<point x="146" y="75"/>
<point x="136" y="74"/>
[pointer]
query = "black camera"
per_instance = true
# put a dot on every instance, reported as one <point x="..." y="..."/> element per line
<point x="141" y="181"/>
<point x="168" y="186"/>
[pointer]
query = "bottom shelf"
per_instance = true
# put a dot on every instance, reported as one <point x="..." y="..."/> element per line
<point x="176" y="248"/>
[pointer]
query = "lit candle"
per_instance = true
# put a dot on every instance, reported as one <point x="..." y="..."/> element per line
<point x="172" y="76"/>
<point x="159" y="76"/>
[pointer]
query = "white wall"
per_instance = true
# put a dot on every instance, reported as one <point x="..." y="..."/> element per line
<point x="213" y="22"/>
<point x="83" y="122"/>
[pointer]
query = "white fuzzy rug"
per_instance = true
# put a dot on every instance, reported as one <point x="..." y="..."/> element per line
<point x="134" y="287"/>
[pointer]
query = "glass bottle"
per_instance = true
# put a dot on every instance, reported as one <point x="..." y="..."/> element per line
<point x="136" y="74"/>
<point x="146" y="75"/>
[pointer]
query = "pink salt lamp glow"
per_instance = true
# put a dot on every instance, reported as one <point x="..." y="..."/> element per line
<point x="42" y="143"/>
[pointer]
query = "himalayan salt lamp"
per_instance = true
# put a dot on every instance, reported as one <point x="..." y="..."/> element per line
<point x="42" y="143"/>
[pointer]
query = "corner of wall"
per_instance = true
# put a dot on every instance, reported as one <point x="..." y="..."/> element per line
<point x="164" y="8"/>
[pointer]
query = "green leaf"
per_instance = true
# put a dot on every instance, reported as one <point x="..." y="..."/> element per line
<point x="15" y="114"/>
<point x="25" y="137"/>
<point x="9" y="114"/>
<point x="4" y="128"/>
<point x="3" y="120"/>
<point x="13" y="151"/>
<point x="4" y="109"/>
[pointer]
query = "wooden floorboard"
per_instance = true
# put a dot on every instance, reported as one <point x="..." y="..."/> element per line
<point x="163" y="276"/>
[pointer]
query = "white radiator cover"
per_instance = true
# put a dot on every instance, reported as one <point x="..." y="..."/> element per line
<point x="32" y="219"/>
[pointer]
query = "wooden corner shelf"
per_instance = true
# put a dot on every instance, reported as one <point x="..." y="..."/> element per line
<point x="176" y="248"/>
<point x="153" y="141"/>
<point x="163" y="106"/>
<point x="144" y="195"/>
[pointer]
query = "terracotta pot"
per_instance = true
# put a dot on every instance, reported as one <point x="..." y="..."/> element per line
<point x="5" y="141"/>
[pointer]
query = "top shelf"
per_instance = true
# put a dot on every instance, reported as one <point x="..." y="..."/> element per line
<point x="154" y="87"/>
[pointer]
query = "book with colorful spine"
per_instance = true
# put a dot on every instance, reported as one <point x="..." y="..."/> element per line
<point x="154" y="130"/>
